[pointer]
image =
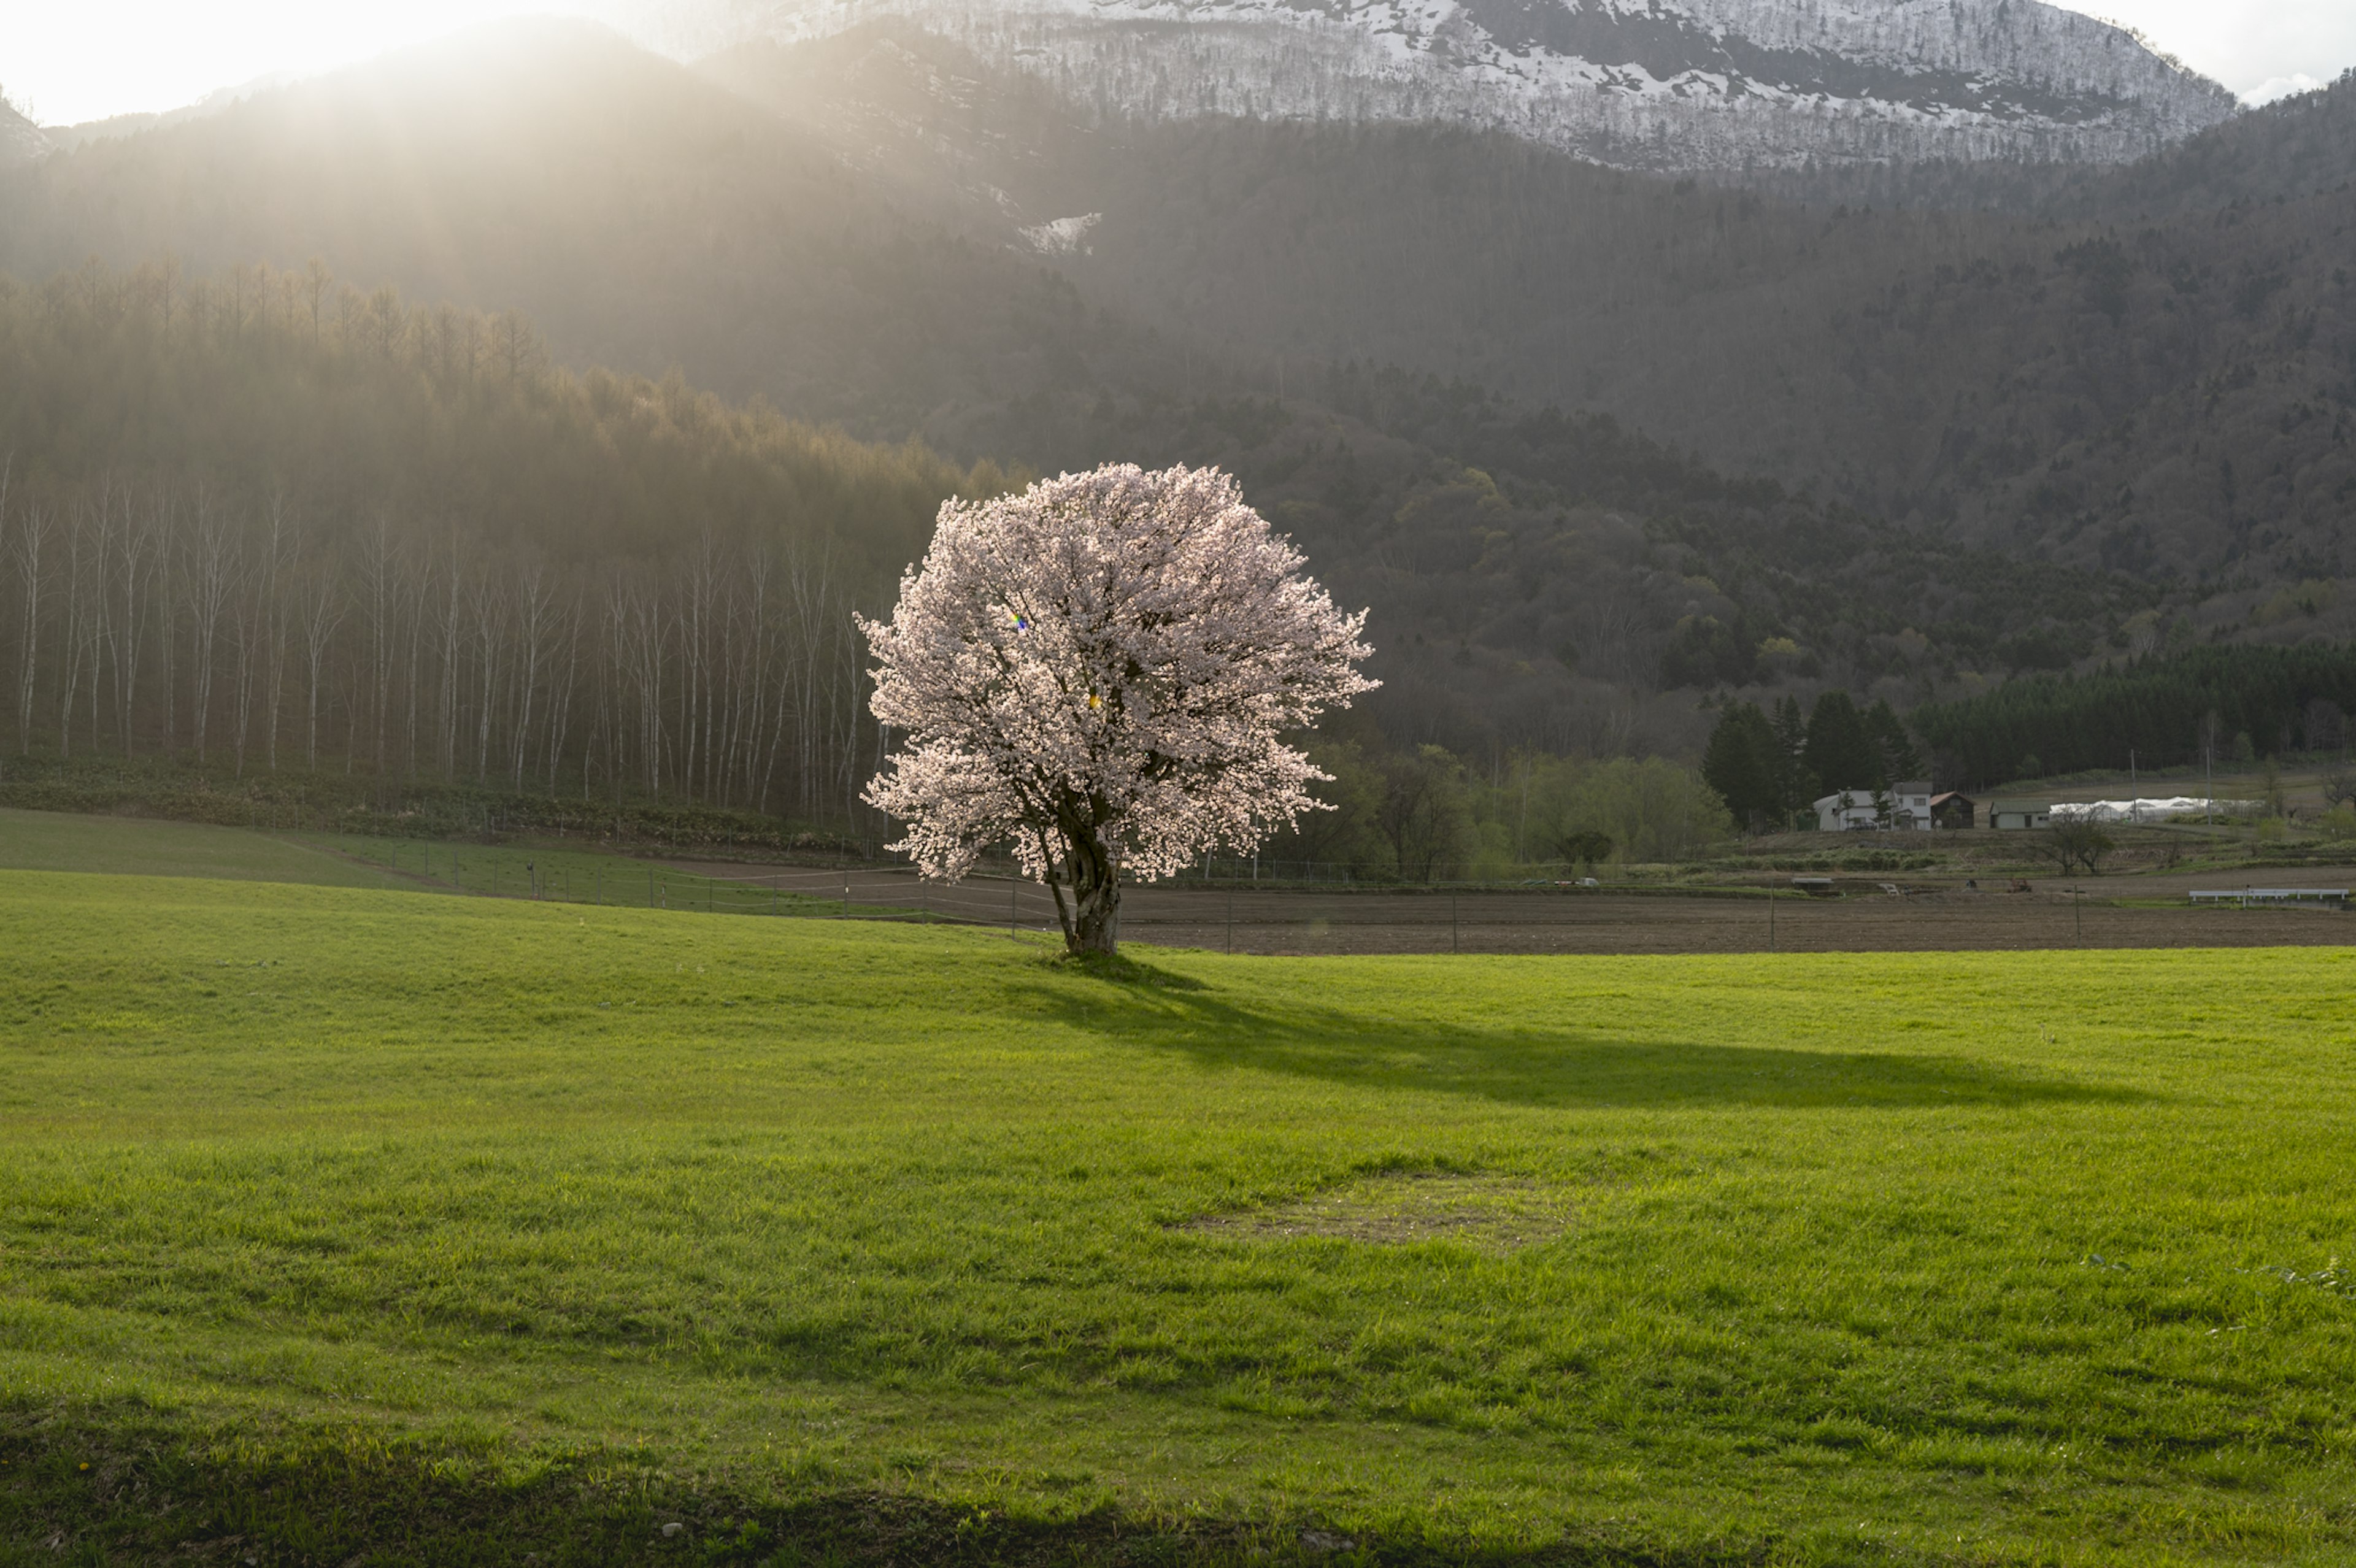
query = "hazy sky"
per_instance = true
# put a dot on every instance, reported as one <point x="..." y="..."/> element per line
<point x="81" y="60"/>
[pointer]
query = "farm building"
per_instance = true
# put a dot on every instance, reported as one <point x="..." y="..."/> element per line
<point x="2018" y="815"/>
<point x="1954" y="810"/>
<point x="1901" y="805"/>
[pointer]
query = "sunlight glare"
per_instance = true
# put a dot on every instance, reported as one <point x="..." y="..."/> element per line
<point x="65" y="64"/>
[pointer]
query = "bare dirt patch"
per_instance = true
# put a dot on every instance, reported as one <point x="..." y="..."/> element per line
<point x="1498" y="1213"/>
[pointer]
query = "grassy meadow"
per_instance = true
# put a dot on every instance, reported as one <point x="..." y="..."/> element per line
<point x="338" y="1224"/>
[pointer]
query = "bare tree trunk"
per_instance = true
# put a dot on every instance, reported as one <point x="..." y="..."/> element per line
<point x="375" y="593"/>
<point x="536" y="613"/>
<point x="417" y="588"/>
<point x="560" y="697"/>
<point x="25" y="548"/>
<point x="813" y="595"/>
<point x="250" y="613"/>
<point x="275" y="564"/>
<point x="320" y="610"/>
<point x="105" y="642"/>
<point x="144" y="536"/>
<point x="452" y="605"/>
<point x="72" y="648"/>
<point x="484" y="604"/>
<point x="643" y="626"/>
<point x="211" y="583"/>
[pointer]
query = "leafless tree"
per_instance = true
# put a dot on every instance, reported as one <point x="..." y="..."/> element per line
<point x="565" y="672"/>
<point x="75" y="647"/>
<point x="538" y="617"/>
<point x="374" y="591"/>
<point x="487" y="623"/>
<point x="448" y="629"/>
<point x="318" y="611"/>
<point x="138" y="541"/>
<point x="210" y="582"/>
<point x="27" y="531"/>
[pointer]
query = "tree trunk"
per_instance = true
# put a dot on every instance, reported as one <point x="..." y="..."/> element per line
<point x="1093" y="925"/>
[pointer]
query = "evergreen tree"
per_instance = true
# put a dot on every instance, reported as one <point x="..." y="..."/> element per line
<point x="1798" y="787"/>
<point x="2156" y="712"/>
<point x="1743" y="764"/>
<point x="1840" y="749"/>
<point x="1900" y="758"/>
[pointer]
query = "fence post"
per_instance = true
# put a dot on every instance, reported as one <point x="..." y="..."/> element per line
<point x="846" y="896"/>
<point x="1455" y="930"/>
<point x="1231" y="918"/>
<point x="1013" y="905"/>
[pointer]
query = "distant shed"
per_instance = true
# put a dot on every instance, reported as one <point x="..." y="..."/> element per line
<point x="2016" y="816"/>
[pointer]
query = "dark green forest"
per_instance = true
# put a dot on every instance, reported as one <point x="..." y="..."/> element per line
<point x="2228" y="703"/>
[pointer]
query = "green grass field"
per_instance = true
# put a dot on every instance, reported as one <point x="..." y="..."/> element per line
<point x="344" y="1225"/>
<point x="563" y="873"/>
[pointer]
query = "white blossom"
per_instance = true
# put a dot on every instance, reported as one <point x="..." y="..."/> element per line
<point x="1098" y="672"/>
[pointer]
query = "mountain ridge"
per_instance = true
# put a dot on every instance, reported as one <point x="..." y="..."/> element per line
<point x="1678" y="86"/>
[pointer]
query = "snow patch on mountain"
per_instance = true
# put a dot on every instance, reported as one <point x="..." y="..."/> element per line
<point x="1703" y="85"/>
<point x="1062" y="236"/>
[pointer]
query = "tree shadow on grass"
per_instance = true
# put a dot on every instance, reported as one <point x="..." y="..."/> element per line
<point x="1540" y="1067"/>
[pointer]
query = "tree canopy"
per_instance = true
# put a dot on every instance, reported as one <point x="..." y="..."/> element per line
<point x="1099" y="672"/>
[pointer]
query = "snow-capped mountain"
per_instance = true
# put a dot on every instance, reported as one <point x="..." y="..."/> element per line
<point x="1701" y="85"/>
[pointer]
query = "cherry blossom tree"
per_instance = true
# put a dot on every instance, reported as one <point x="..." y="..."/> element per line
<point x="1099" y="672"/>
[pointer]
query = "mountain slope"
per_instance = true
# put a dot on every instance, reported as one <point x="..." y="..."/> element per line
<point x="641" y="218"/>
<point x="882" y="229"/>
<point x="21" y="141"/>
<point x="2063" y="388"/>
<point x="1720" y="86"/>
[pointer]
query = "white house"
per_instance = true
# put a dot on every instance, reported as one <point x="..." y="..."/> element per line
<point x="1902" y="806"/>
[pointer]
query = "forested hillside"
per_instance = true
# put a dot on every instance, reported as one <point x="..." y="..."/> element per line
<point x="259" y="534"/>
<point x="1921" y="449"/>
<point x="642" y="220"/>
<point x="2068" y="384"/>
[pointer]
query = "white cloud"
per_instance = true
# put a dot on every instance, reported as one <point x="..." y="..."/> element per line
<point x="2276" y="87"/>
<point x="2261" y="49"/>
